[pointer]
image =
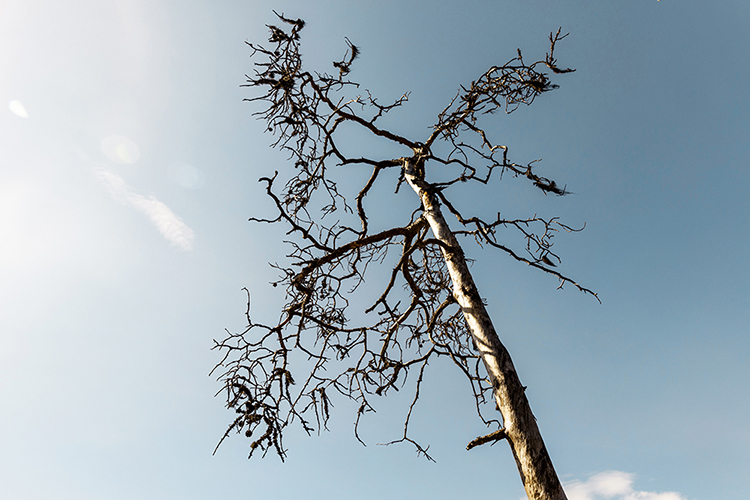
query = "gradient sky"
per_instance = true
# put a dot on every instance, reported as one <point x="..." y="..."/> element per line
<point x="129" y="168"/>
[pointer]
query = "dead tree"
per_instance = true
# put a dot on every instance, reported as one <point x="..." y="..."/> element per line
<point x="429" y="307"/>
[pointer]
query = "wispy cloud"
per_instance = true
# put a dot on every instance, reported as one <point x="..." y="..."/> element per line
<point x="169" y="225"/>
<point x="613" y="485"/>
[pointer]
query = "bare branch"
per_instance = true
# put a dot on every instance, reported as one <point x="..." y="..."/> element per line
<point x="330" y="330"/>
<point x="492" y="437"/>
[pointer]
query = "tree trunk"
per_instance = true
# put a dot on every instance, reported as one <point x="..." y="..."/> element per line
<point x="537" y="472"/>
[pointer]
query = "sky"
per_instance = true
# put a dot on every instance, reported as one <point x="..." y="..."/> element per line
<point x="128" y="171"/>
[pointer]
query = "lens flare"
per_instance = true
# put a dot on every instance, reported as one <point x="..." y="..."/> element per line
<point x="186" y="175"/>
<point x="17" y="109"/>
<point x="120" y="149"/>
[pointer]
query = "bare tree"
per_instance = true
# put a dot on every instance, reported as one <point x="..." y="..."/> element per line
<point x="429" y="306"/>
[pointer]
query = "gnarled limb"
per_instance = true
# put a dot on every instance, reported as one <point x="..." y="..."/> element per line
<point x="345" y="340"/>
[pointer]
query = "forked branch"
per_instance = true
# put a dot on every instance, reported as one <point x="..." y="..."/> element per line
<point x="343" y="339"/>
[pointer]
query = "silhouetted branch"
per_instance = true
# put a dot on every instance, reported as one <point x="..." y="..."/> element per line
<point x="340" y="340"/>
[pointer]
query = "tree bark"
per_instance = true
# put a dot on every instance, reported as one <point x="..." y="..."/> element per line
<point x="537" y="472"/>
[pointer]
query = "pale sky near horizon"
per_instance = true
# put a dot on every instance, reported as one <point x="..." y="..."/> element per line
<point x="129" y="169"/>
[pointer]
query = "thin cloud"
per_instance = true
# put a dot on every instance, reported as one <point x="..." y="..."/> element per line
<point x="613" y="485"/>
<point x="169" y="225"/>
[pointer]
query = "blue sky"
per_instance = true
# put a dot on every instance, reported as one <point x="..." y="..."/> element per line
<point x="129" y="169"/>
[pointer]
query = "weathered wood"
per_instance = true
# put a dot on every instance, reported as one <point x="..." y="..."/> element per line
<point x="492" y="437"/>
<point x="534" y="464"/>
